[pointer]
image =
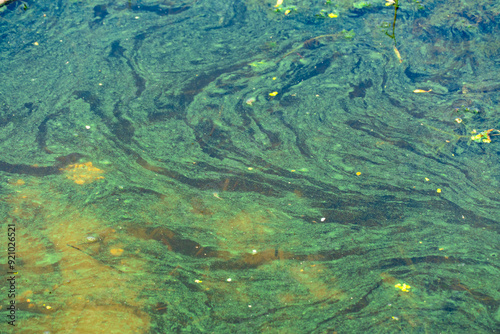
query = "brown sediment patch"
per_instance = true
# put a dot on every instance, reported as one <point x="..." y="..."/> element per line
<point x="244" y="231"/>
<point x="89" y="318"/>
<point x="71" y="285"/>
<point x="173" y="241"/>
<point x="200" y="207"/>
<point x="89" y="295"/>
<point x="318" y="280"/>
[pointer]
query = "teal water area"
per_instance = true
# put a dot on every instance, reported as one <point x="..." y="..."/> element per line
<point x="250" y="166"/>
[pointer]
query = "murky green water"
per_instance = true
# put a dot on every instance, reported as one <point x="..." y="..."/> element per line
<point x="248" y="167"/>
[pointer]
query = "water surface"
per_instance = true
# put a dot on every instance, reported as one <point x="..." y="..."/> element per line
<point x="236" y="167"/>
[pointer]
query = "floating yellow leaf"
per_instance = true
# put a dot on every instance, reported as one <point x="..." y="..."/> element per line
<point x="396" y="51"/>
<point x="403" y="287"/>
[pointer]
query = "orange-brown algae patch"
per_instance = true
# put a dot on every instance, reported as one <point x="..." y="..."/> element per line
<point x="18" y="182"/>
<point x="83" y="173"/>
<point x="116" y="251"/>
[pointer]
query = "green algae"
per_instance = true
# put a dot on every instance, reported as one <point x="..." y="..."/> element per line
<point x="300" y="213"/>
